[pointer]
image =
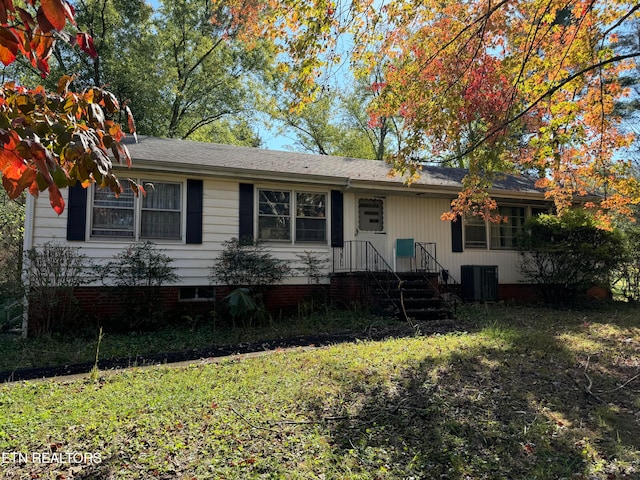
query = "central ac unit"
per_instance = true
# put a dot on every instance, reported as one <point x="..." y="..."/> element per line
<point x="479" y="283"/>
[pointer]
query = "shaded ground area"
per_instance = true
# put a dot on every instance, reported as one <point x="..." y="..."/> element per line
<point x="374" y="333"/>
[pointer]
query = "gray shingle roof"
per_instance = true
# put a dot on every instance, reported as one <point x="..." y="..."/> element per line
<point x="211" y="157"/>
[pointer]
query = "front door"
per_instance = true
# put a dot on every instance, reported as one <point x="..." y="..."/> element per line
<point x="370" y="223"/>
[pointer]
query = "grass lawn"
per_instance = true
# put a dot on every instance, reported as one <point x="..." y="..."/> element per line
<point x="530" y="394"/>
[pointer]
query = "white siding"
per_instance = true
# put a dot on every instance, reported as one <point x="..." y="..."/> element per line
<point x="404" y="216"/>
<point x="193" y="261"/>
<point x="419" y="218"/>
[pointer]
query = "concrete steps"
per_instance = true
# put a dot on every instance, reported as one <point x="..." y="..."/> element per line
<point x="416" y="296"/>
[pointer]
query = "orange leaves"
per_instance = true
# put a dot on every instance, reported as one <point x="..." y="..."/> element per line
<point x="16" y="178"/>
<point x="9" y="45"/>
<point x="56" y="12"/>
<point x="507" y="87"/>
<point x="53" y="141"/>
<point x="17" y="175"/>
<point x="29" y="29"/>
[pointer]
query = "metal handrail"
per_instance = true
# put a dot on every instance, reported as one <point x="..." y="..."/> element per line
<point x="431" y="265"/>
<point x="362" y="256"/>
<point x="8" y="309"/>
<point x="428" y="262"/>
<point x="359" y="256"/>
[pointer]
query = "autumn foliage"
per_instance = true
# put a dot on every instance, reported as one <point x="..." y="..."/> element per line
<point x="522" y="86"/>
<point x="50" y="140"/>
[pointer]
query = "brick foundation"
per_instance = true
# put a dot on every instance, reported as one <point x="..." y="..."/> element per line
<point x="97" y="304"/>
<point x="519" y="292"/>
<point x="349" y="289"/>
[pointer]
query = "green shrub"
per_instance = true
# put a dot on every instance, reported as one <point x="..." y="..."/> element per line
<point x="244" y="263"/>
<point x="53" y="271"/>
<point x="568" y="254"/>
<point x="247" y="266"/>
<point x="312" y="266"/>
<point x="627" y="274"/>
<point x="138" y="273"/>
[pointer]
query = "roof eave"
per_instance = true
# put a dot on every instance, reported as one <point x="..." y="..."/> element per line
<point x="234" y="173"/>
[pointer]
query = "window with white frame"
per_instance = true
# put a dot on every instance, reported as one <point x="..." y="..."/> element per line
<point x="154" y="216"/>
<point x="505" y="235"/>
<point x="113" y="217"/>
<point x="160" y="211"/>
<point x="311" y="218"/>
<point x="274" y="215"/>
<point x="288" y="215"/>
<point x="475" y="232"/>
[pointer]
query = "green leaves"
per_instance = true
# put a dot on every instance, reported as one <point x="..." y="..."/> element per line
<point x="49" y="141"/>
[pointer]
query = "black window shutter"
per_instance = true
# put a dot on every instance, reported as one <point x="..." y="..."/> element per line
<point x="194" y="211"/>
<point x="246" y="212"/>
<point x="337" y="218"/>
<point x="77" y="213"/>
<point x="456" y="235"/>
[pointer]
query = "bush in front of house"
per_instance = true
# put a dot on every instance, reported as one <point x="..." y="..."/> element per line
<point x="53" y="271"/>
<point x="138" y="273"/>
<point x="626" y="276"/>
<point x="566" y="255"/>
<point x="248" y="268"/>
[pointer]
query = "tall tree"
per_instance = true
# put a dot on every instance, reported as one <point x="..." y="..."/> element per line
<point x="180" y="76"/>
<point x="508" y="86"/>
<point x="51" y="140"/>
<point x="338" y="123"/>
<point x="629" y="107"/>
<point x="211" y="76"/>
<point x="11" y="234"/>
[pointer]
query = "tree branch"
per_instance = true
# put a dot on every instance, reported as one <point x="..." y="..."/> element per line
<point x="548" y="93"/>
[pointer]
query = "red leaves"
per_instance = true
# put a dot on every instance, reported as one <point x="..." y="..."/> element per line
<point x="56" y="13"/>
<point x="56" y="200"/>
<point x="73" y="140"/>
<point x="34" y="35"/>
<point x="51" y="141"/>
<point x="130" y="121"/>
<point x="85" y="42"/>
<point x="6" y="6"/>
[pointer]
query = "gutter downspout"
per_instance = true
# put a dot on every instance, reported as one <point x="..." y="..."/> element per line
<point x="27" y="244"/>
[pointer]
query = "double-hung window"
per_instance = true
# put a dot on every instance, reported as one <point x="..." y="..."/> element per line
<point x="154" y="216"/>
<point x="274" y="215"/>
<point x="311" y="220"/>
<point x="160" y="211"/>
<point x="292" y="216"/>
<point x="505" y="235"/>
<point x="475" y="232"/>
<point x="501" y="236"/>
<point x="113" y="217"/>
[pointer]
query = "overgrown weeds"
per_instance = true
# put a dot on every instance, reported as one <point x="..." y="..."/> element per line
<point x="191" y="334"/>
